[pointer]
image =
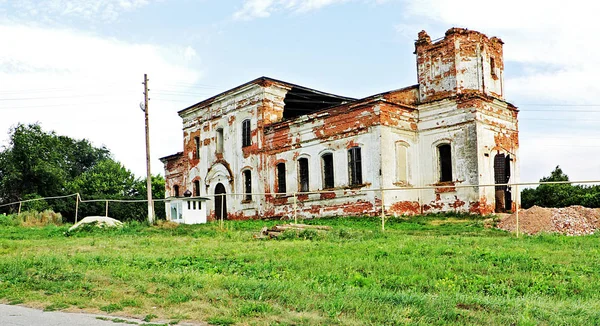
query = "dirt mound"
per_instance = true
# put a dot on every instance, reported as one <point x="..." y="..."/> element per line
<point x="573" y="220"/>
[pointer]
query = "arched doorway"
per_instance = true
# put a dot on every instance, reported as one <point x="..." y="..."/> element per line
<point x="502" y="175"/>
<point x="220" y="202"/>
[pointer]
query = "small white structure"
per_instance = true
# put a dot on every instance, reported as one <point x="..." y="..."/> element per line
<point x="186" y="210"/>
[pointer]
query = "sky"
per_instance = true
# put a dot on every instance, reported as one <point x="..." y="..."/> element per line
<point x="77" y="66"/>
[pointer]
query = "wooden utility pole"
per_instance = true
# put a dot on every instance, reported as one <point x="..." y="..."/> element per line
<point x="148" y="172"/>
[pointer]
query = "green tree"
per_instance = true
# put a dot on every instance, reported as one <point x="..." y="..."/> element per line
<point x="560" y="195"/>
<point x="39" y="164"/>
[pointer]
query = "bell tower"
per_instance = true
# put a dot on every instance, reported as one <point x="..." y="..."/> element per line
<point x="464" y="61"/>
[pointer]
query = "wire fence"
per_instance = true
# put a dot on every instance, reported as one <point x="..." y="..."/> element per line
<point x="424" y="199"/>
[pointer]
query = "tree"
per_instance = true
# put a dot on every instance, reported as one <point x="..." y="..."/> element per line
<point x="560" y="195"/>
<point x="42" y="164"/>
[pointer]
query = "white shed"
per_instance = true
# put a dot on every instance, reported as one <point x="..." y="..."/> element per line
<point x="186" y="210"/>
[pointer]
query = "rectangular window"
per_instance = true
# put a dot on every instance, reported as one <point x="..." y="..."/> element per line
<point x="328" y="181"/>
<point x="176" y="190"/>
<point x="197" y="140"/>
<point x="401" y="162"/>
<point x="220" y="140"/>
<point x="197" y="188"/>
<point x="303" y="173"/>
<point x="445" y="157"/>
<point x="354" y="166"/>
<point x="281" y="178"/>
<point x="248" y="185"/>
<point x="246" y="137"/>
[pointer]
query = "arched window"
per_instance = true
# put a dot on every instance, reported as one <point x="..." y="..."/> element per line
<point x="401" y="162"/>
<point x="176" y="191"/>
<point x="354" y="166"/>
<point x="303" y="174"/>
<point x="445" y="162"/>
<point x="197" y="141"/>
<point x="327" y="162"/>
<point x="246" y="137"/>
<point x="281" y="186"/>
<point x="247" y="185"/>
<point x="197" y="188"/>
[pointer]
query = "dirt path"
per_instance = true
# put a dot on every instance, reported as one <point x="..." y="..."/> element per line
<point x="23" y="316"/>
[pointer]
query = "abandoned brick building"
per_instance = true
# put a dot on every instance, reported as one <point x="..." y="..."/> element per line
<point x="267" y="139"/>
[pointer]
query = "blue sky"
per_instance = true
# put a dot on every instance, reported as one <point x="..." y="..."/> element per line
<point x="77" y="66"/>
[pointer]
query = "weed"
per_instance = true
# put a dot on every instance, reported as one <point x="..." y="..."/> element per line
<point x="221" y="321"/>
<point x="111" y="307"/>
<point x="149" y="317"/>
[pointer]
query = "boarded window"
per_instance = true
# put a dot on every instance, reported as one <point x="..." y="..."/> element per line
<point x="354" y="166"/>
<point x="328" y="181"/>
<point x="281" y="187"/>
<point x="246" y="138"/>
<point x="401" y="162"/>
<point x="220" y="140"/>
<point x="303" y="174"/>
<point x="247" y="185"/>
<point x="197" y="188"/>
<point x="176" y="190"/>
<point x="445" y="157"/>
<point x="197" y="141"/>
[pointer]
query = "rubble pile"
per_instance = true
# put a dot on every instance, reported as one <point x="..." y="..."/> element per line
<point x="573" y="220"/>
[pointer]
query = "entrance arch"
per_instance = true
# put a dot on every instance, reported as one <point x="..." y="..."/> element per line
<point x="220" y="202"/>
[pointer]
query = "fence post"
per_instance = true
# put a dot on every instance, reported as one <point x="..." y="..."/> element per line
<point x="382" y="211"/>
<point x="106" y="209"/>
<point x="20" y="203"/>
<point x="76" y="206"/>
<point x="517" y="208"/>
<point x="295" y="212"/>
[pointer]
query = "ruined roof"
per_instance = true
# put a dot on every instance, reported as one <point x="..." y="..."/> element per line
<point x="170" y="157"/>
<point x="336" y="99"/>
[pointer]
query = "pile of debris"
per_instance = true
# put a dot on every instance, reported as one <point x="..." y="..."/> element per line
<point x="573" y="220"/>
<point x="277" y="230"/>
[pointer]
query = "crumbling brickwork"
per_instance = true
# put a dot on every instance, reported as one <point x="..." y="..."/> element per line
<point x="446" y="131"/>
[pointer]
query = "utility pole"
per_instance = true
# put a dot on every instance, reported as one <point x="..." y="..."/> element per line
<point x="148" y="172"/>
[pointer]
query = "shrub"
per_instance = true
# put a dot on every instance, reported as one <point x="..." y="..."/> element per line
<point x="35" y="218"/>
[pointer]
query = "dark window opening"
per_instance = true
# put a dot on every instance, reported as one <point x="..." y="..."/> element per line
<point x="197" y="140"/>
<point x="445" y="157"/>
<point x="197" y="188"/>
<point x="189" y="205"/>
<point x="194" y="205"/>
<point x="493" y="66"/>
<point x="354" y="166"/>
<point x="176" y="190"/>
<point x="281" y="186"/>
<point x="246" y="137"/>
<point x="303" y="172"/>
<point x="248" y="185"/>
<point x="220" y="140"/>
<point x="328" y="181"/>
<point x="300" y="101"/>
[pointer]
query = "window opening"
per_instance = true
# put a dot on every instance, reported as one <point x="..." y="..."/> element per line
<point x="248" y="185"/>
<point x="355" y="166"/>
<point x="220" y="140"/>
<point x="493" y="66"/>
<point x="194" y="205"/>
<point x="197" y="188"/>
<point x="189" y="205"/>
<point x="328" y="181"/>
<point x="246" y="138"/>
<point x="176" y="190"/>
<point x="197" y="140"/>
<point x="401" y="162"/>
<point x="445" y="157"/>
<point x="303" y="171"/>
<point x="281" y="186"/>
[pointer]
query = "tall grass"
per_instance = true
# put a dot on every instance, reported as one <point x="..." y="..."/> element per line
<point x="440" y="270"/>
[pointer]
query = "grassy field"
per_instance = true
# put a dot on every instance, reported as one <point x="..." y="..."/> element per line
<point x="426" y="270"/>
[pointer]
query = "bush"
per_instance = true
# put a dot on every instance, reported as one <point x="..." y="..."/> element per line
<point x="35" y="218"/>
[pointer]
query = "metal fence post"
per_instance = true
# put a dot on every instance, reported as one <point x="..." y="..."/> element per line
<point x="106" y="214"/>
<point x="382" y="211"/>
<point x="517" y="208"/>
<point x="295" y="211"/>
<point x="76" y="206"/>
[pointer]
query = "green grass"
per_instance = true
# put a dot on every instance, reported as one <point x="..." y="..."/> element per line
<point x="439" y="270"/>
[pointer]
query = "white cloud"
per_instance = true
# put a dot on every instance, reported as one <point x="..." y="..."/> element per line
<point x="90" y="87"/>
<point x="51" y="10"/>
<point x="264" y="8"/>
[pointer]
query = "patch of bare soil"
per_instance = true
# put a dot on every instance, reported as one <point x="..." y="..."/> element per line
<point x="573" y="220"/>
